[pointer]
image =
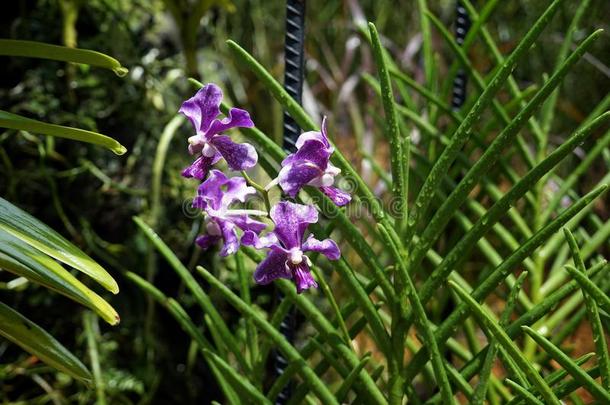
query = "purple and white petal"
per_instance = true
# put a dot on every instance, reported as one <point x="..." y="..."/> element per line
<point x="302" y="277"/>
<point x="245" y="223"/>
<point x="200" y="167"/>
<point x="320" y="136"/>
<point x="272" y="268"/>
<point x="239" y="156"/>
<point x="251" y="238"/>
<point x="210" y="191"/>
<point x="229" y="236"/>
<point x="293" y="177"/>
<point x="237" y="189"/>
<point x="237" y="118"/>
<point x="327" y="247"/>
<point x="206" y="241"/>
<point x="338" y="196"/>
<point x="311" y="151"/>
<point x="203" y="107"/>
<point x="291" y="221"/>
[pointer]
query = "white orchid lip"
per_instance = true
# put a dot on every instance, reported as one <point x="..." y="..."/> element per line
<point x="295" y="256"/>
<point x="328" y="180"/>
<point x="208" y="150"/>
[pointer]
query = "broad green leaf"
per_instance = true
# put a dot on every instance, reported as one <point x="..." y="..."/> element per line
<point x="35" y="340"/>
<point x="23" y="260"/>
<point x="32" y="49"/>
<point x="493" y="329"/>
<point x="25" y="227"/>
<point x="13" y="121"/>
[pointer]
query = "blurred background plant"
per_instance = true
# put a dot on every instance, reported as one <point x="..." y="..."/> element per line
<point x="90" y="197"/>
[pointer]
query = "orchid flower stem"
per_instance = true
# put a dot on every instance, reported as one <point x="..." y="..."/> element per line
<point x="258" y="188"/>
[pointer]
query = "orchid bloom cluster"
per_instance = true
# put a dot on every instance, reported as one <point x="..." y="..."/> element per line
<point x="218" y="194"/>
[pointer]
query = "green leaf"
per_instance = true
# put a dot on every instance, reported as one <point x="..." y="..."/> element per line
<point x="485" y="374"/>
<point x="499" y="209"/>
<point x="23" y="260"/>
<point x="408" y="290"/>
<point x="25" y="227"/>
<point x="13" y="121"/>
<point x="287" y="349"/>
<point x="35" y="340"/>
<point x="186" y="322"/>
<point x="569" y="365"/>
<point x="460" y="194"/>
<point x="603" y="359"/>
<point x="201" y="297"/>
<point x="397" y="162"/>
<point x="32" y="49"/>
<point x="462" y="134"/>
<point x="490" y="283"/>
<point x="240" y="383"/>
<point x="601" y="298"/>
<point x="297" y="112"/>
<point x="524" y="393"/>
<point x="492" y="327"/>
<point x="351" y="378"/>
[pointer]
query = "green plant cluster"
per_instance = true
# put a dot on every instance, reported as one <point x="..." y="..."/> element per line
<point x="473" y="265"/>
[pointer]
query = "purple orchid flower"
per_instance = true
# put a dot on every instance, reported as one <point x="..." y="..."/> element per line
<point x="310" y="165"/>
<point x="286" y="257"/>
<point x="214" y="197"/>
<point x="202" y="111"/>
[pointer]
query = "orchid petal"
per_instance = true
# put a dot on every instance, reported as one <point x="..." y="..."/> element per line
<point x="239" y="156"/>
<point x="327" y="247"/>
<point x="272" y="268"/>
<point x="291" y="221"/>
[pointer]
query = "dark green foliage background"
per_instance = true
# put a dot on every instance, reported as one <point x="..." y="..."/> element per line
<point x="146" y="358"/>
